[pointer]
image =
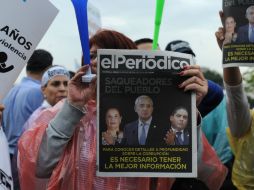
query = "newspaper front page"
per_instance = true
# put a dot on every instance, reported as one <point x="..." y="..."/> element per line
<point x="139" y="102"/>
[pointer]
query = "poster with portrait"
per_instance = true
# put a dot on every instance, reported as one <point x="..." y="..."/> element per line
<point x="146" y="123"/>
<point x="238" y="22"/>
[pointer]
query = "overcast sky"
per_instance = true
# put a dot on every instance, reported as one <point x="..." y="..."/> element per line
<point x="192" y="20"/>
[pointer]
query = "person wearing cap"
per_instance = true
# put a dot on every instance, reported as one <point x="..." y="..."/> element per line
<point x="211" y="101"/>
<point x="215" y="118"/>
<point x="54" y="85"/>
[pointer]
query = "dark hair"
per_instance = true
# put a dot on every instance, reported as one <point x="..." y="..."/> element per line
<point x="143" y="41"/>
<point x="39" y="61"/>
<point x="109" y="39"/>
<point x="178" y="108"/>
<point x="180" y="46"/>
<point x="114" y="108"/>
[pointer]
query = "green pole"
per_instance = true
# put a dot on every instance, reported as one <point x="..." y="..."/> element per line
<point x="158" y="15"/>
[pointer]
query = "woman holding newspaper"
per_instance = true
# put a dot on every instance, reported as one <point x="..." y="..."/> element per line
<point x="64" y="150"/>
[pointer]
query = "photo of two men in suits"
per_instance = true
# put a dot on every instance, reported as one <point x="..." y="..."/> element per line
<point x="147" y="131"/>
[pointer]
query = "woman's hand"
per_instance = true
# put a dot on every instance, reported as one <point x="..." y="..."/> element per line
<point x="196" y="82"/>
<point x="220" y="34"/>
<point x="80" y="93"/>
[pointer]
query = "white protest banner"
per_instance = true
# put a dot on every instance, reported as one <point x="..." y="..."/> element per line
<point x="22" y="25"/>
<point x="6" y="181"/>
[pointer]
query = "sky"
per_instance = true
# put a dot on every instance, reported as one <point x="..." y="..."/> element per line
<point x="194" y="21"/>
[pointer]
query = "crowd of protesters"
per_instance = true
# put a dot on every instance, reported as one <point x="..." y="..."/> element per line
<point x="49" y="120"/>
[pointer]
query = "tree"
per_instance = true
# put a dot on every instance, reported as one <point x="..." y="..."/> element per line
<point x="248" y="78"/>
<point x="213" y="76"/>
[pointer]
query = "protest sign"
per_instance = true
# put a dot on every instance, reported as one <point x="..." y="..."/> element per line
<point x="238" y="45"/>
<point x="22" y="26"/>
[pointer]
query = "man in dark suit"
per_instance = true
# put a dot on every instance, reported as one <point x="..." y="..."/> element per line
<point x="178" y="134"/>
<point x="245" y="33"/>
<point x="143" y="131"/>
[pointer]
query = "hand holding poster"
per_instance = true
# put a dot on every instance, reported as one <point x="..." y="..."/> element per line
<point x="20" y="36"/>
<point x="139" y="105"/>
<point x="238" y="45"/>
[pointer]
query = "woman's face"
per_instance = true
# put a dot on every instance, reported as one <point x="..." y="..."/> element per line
<point x="113" y="119"/>
<point x="230" y="24"/>
<point x="56" y="89"/>
<point x="93" y="58"/>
